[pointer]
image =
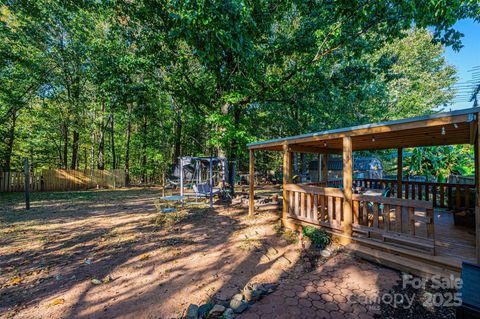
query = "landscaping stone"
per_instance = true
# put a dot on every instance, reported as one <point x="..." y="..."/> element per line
<point x="216" y="311"/>
<point x="237" y="297"/>
<point x="192" y="312"/>
<point x="228" y="314"/>
<point x="325" y="253"/>
<point x="204" y="309"/>
<point x="238" y="306"/>
<point x="251" y="292"/>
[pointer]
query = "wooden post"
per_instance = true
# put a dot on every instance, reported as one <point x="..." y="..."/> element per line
<point x="347" y="189"/>
<point x="325" y="168"/>
<point x="287" y="179"/>
<point x="251" y="184"/>
<point x="27" y="183"/>
<point x="477" y="186"/>
<point x="319" y="167"/>
<point x="163" y="184"/>
<point x="399" y="172"/>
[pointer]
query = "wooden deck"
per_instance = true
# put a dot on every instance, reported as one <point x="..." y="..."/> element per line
<point x="450" y="240"/>
<point x="388" y="229"/>
<point x="453" y="241"/>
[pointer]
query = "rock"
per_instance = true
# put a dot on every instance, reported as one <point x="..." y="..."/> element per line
<point x="238" y="306"/>
<point x="204" y="309"/>
<point x="269" y="288"/>
<point x="228" y="314"/>
<point x="325" y="253"/>
<point x="192" y="312"/>
<point x="251" y="292"/>
<point x="216" y="311"/>
<point x="237" y="297"/>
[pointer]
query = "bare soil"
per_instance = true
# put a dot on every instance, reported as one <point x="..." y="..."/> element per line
<point x="99" y="254"/>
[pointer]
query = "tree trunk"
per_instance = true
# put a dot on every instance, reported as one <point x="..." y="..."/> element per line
<point x="144" y="146"/>
<point x="127" y="145"/>
<point x="85" y="159"/>
<point x="101" y="143"/>
<point x="177" y="138"/>
<point x="11" y="139"/>
<point x="92" y="150"/>
<point x="76" y="137"/>
<point x="112" y="142"/>
<point x="65" y="145"/>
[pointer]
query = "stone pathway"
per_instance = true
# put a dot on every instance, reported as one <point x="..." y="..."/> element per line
<point x="337" y="289"/>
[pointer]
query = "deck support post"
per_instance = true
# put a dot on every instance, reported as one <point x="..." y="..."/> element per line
<point x="319" y="167"/>
<point x="287" y="179"/>
<point x="325" y="168"/>
<point x="347" y="189"/>
<point x="476" y="144"/>
<point x="399" y="172"/>
<point x="251" y="184"/>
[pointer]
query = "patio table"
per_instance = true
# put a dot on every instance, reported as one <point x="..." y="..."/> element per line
<point x="373" y="192"/>
<point x="172" y="202"/>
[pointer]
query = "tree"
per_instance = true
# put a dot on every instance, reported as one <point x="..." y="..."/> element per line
<point x="92" y="84"/>
<point x="440" y="162"/>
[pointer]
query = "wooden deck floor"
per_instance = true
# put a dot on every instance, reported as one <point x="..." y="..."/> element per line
<point x="454" y="242"/>
<point x="451" y="240"/>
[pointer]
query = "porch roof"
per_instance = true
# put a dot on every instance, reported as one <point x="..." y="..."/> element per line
<point x="449" y="128"/>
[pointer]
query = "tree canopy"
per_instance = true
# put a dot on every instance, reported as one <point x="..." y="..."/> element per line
<point x="134" y="84"/>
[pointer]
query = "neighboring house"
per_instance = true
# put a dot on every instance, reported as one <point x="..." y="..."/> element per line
<point x="363" y="167"/>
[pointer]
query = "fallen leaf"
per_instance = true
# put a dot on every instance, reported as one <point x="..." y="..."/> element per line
<point x="144" y="257"/>
<point x="107" y="279"/>
<point x="15" y="281"/>
<point x="96" y="281"/>
<point x="58" y="301"/>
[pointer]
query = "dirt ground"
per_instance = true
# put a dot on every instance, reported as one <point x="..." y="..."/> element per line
<point x="99" y="254"/>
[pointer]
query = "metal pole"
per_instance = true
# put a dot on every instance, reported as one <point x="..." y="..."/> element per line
<point x="181" y="176"/>
<point x="27" y="183"/>
<point x="224" y="172"/>
<point x="211" y="182"/>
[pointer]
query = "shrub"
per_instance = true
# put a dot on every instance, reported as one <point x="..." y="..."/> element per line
<point x="319" y="237"/>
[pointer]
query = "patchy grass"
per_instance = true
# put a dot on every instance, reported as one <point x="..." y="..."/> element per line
<point x="101" y="254"/>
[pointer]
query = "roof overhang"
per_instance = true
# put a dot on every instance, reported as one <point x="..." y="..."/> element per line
<point x="450" y="128"/>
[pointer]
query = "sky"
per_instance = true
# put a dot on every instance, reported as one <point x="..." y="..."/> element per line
<point x="467" y="58"/>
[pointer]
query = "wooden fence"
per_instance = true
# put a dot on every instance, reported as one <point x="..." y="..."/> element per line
<point x="62" y="180"/>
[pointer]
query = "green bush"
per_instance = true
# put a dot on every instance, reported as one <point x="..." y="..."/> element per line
<point x="318" y="236"/>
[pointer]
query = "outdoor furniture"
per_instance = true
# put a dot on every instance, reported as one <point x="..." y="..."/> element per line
<point x="470" y="307"/>
<point x="465" y="218"/>
<point x="203" y="190"/>
<point x="170" y="203"/>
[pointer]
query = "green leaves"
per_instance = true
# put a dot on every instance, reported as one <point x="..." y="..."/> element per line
<point x="439" y="162"/>
<point x="206" y="77"/>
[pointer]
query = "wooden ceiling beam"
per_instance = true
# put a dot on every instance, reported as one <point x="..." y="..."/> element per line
<point x="314" y="150"/>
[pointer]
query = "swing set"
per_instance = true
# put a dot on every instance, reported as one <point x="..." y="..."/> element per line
<point x="201" y="174"/>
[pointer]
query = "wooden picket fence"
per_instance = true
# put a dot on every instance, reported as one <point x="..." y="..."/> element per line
<point x="62" y="180"/>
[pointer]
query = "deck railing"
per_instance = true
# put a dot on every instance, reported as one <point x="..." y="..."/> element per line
<point x="405" y="222"/>
<point x="454" y="196"/>
<point x="317" y="205"/>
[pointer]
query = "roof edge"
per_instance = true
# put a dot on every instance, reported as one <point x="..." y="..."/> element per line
<point x="372" y="125"/>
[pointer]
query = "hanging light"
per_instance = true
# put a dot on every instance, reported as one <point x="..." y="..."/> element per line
<point x="324" y="144"/>
<point x="373" y="139"/>
<point x="455" y="125"/>
<point x="443" y="130"/>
